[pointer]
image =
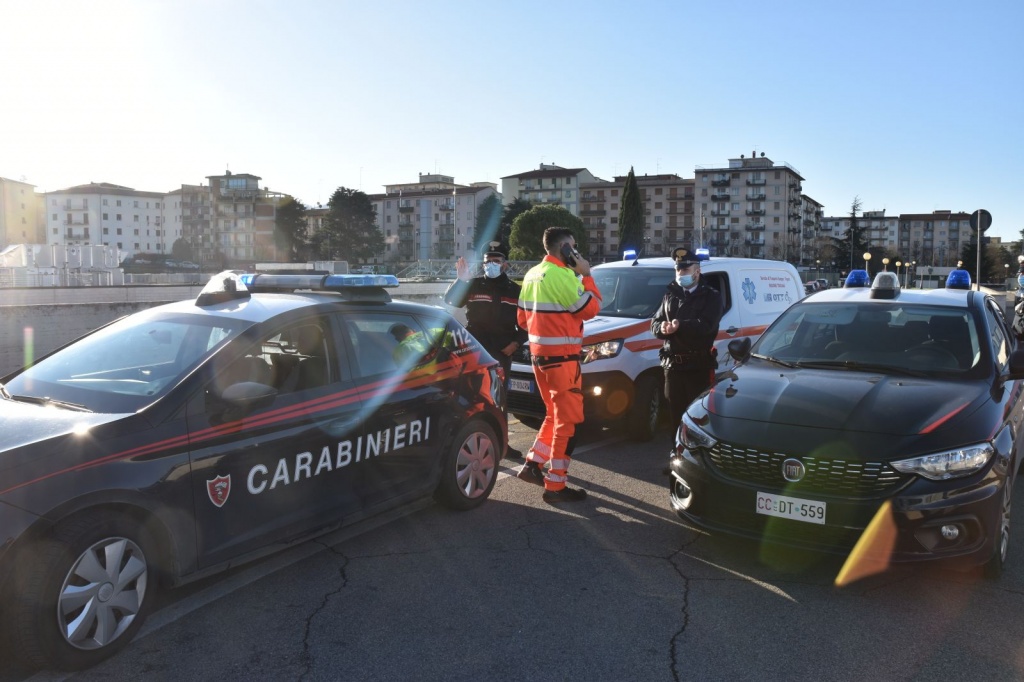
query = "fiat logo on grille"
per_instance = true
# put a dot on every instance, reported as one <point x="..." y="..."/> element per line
<point x="793" y="470"/>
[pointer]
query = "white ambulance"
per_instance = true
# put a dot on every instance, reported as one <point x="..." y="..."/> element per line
<point x="622" y="375"/>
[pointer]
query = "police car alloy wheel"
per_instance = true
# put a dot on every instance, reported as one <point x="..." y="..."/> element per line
<point x="91" y="596"/>
<point x="471" y="468"/>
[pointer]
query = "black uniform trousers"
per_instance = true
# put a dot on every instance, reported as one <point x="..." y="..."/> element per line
<point x="682" y="386"/>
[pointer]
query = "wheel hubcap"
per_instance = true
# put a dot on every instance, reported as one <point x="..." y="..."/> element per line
<point x="475" y="466"/>
<point x="102" y="593"/>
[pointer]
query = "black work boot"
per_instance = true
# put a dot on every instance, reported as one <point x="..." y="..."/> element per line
<point x="512" y="453"/>
<point x="531" y="473"/>
<point x="566" y="494"/>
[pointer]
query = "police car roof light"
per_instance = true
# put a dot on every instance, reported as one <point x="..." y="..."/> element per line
<point x="222" y="287"/>
<point x="886" y="285"/>
<point x="629" y="254"/>
<point x="367" y="288"/>
<point x="958" y="279"/>
<point x="857" y="278"/>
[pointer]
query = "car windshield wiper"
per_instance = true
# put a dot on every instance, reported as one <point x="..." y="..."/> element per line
<point x="771" y="359"/>
<point x="50" y="402"/>
<point x="4" y="393"/>
<point x="861" y="367"/>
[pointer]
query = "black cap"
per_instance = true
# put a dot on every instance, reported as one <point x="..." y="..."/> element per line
<point x="684" y="257"/>
<point x="495" y="249"/>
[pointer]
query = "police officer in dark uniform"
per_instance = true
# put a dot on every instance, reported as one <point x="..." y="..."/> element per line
<point x="687" y="321"/>
<point x="491" y="304"/>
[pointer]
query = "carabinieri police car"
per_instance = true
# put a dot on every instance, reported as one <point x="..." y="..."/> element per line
<point x="857" y="399"/>
<point x="180" y="440"/>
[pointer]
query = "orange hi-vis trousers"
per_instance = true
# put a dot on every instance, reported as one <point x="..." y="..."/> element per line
<point x="560" y="386"/>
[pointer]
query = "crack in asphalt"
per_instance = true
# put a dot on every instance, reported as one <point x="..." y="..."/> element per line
<point x="673" y="648"/>
<point x="307" y="656"/>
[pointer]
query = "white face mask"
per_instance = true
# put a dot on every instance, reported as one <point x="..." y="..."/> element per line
<point x="492" y="270"/>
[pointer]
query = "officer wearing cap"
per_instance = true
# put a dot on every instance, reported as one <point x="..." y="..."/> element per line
<point x="491" y="304"/>
<point x="687" y="322"/>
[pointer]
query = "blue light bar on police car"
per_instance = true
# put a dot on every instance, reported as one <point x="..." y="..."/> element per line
<point x="629" y="254"/>
<point x="269" y="282"/>
<point x="857" y="278"/>
<point x="958" y="279"/>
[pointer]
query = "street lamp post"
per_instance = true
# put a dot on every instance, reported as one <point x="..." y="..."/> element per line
<point x="885" y="264"/>
<point x="817" y="268"/>
<point x="867" y="258"/>
<point x="898" y="264"/>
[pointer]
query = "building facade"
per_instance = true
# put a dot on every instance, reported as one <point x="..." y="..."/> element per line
<point x="432" y="219"/>
<point x="750" y="208"/>
<point x="549" y="184"/>
<point x="19" y="222"/>
<point x="668" y="210"/>
<point x="935" y="238"/>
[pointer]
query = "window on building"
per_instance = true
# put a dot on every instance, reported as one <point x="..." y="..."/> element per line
<point x="54" y="217"/>
<point x="657" y="204"/>
<point x="657" y="219"/>
<point x="119" y="232"/>
<point x="615" y="192"/>
<point x="615" y="220"/>
<point x="118" y="202"/>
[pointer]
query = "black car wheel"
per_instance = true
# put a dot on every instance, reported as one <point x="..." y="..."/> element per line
<point x="642" y="420"/>
<point x="470" y="468"/>
<point x="86" y="593"/>
<point x="995" y="565"/>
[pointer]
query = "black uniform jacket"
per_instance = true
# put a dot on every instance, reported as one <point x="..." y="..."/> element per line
<point x="699" y="314"/>
<point x="491" y="308"/>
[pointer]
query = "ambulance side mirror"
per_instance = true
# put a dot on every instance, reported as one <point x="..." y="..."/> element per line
<point x="739" y="349"/>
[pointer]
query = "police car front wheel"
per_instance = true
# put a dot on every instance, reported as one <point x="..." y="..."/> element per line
<point x="470" y="469"/>
<point x="90" y="595"/>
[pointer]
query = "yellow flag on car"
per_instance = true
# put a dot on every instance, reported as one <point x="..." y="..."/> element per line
<point x="872" y="552"/>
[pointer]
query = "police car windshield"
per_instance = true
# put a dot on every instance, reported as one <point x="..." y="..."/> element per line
<point x="631" y="292"/>
<point x="125" y="366"/>
<point x="910" y="339"/>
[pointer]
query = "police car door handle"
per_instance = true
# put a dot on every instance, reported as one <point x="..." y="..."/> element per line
<point x="731" y="330"/>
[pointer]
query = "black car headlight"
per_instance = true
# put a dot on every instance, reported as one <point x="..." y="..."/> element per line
<point x="692" y="436"/>
<point x="940" y="466"/>
<point x="600" y="351"/>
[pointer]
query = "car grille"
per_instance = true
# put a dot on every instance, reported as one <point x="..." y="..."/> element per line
<point x="824" y="476"/>
<point x="522" y="354"/>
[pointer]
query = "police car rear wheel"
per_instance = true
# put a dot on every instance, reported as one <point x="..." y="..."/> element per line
<point x="89" y="594"/>
<point x="470" y="468"/>
<point x="642" y="420"/>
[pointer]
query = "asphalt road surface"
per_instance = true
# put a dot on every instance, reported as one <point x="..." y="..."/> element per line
<point x="615" y="588"/>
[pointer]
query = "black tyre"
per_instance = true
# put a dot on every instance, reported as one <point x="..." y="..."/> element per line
<point x="996" y="564"/>
<point x="642" y="420"/>
<point x="470" y="468"/>
<point x="87" y="590"/>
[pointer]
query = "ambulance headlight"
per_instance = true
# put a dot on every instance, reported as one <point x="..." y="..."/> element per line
<point x="950" y="464"/>
<point x="600" y="351"/>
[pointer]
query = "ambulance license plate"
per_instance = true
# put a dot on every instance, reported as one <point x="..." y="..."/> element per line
<point x="810" y="511"/>
<point x="520" y="385"/>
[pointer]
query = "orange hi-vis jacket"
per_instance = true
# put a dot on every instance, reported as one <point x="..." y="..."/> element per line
<point x="552" y="307"/>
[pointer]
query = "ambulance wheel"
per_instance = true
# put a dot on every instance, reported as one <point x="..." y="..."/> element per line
<point x="86" y="593"/>
<point x="470" y="468"/>
<point x="642" y="420"/>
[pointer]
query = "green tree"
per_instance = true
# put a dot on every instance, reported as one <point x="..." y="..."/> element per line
<point x="631" y="216"/>
<point x="488" y="223"/>
<point x="509" y="215"/>
<point x="527" y="239"/>
<point x="349" y="231"/>
<point x="181" y="250"/>
<point x="290" y="230"/>
<point x="850" y="247"/>
<point x="991" y="266"/>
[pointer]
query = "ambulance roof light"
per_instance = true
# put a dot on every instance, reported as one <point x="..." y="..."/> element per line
<point x="222" y="287"/>
<point x="886" y="285"/>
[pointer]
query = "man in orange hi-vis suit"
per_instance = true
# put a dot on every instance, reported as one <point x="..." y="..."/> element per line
<point x="553" y="304"/>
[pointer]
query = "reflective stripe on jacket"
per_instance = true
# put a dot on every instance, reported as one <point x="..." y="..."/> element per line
<point x="553" y="304"/>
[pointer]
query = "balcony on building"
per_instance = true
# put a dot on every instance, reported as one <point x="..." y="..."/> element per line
<point x="756" y="196"/>
<point x="755" y="226"/>
<point x="757" y="181"/>
<point x="720" y="213"/>
<point x="70" y="206"/>
<point x="446" y="206"/>
<point x="593" y="211"/>
<point x="754" y="241"/>
<point x="719" y="228"/>
<point x="810" y="223"/>
<point x="755" y="211"/>
<point x="720" y="181"/>
<point x="720" y="196"/>
<point x="825" y="228"/>
<point x="406" y="207"/>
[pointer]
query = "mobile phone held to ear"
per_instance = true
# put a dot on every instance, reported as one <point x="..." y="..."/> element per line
<point x="569" y="255"/>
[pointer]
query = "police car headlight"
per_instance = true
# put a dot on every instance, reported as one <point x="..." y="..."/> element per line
<point x="952" y="464"/>
<point x="601" y="351"/>
<point x="692" y="436"/>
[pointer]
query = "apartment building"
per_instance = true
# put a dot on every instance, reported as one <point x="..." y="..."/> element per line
<point x="935" y="238"/>
<point x="19" y="223"/>
<point x="433" y="218"/>
<point x="105" y="214"/>
<point x="750" y="208"/>
<point x="549" y="184"/>
<point x="668" y="210"/>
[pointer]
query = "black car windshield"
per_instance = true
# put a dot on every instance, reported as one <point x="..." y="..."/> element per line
<point x="631" y="292"/>
<point x="126" y="365"/>
<point x="910" y="339"/>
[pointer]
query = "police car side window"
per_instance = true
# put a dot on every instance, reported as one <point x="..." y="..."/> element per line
<point x="1000" y="345"/>
<point x="382" y="342"/>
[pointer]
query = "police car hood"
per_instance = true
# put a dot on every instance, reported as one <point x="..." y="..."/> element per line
<point x="23" y="424"/>
<point x="841" y="401"/>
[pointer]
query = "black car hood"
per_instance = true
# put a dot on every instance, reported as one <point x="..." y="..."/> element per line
<point x="24" y="424"/>
<point x="838" y="400"/>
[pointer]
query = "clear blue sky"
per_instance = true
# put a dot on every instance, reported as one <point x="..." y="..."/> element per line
<point x="911" y="106"/>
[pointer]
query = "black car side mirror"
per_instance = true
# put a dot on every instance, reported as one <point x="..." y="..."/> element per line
<point x="1015" y="366"/>
<point x="739" y="349"/>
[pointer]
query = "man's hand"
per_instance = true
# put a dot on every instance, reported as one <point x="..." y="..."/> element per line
<point x="462" y="269"/>
<point x="510" y="348"/>
<point x="582" y="266"/>
<point x="669" y="328"/>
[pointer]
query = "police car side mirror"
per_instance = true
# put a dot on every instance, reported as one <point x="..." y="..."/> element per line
<point x="739" y="349"/>
<point x="1016" y="366"/>
<point x="246" y="396"/>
